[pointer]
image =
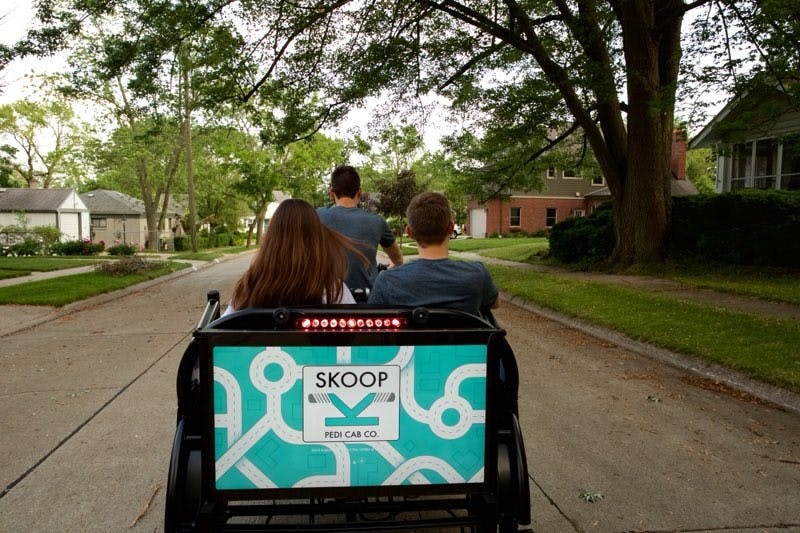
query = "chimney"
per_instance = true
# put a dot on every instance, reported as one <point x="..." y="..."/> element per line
<point x="677" y="163"/>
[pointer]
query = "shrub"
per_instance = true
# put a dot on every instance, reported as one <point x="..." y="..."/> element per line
<point x="756" y="227"/>
<point x="47" y="235"/>
<point x="181" y="243"/>
<point x="584" y="241"/>
<point x="25" y="248"/>
<point x="80" y="247"/>
<point x="128" y="265"/>
<point x="122" y="249"/>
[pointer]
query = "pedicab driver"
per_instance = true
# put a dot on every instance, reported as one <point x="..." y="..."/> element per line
<point x="367" y="230"/>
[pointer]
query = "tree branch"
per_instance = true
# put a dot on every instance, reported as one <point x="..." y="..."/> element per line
<point x="553" y="143"/>
<point x="472" y="62"/>
<point x="319" y="15"/>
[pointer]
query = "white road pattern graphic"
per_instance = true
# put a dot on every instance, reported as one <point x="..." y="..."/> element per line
<point x="273" y="372"/>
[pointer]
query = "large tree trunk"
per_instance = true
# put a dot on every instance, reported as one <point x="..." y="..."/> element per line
<point x="642" y="207"/>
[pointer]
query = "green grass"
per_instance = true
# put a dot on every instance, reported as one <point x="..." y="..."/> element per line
<point x="67" y="289"/>
<point x="471" y="245"/>
<point x="45" y="263"/>
<point x="523" y="252"/>
<point x="768" y="283"/>
<point x="764" y="348"/>
<point x="6" y="274"/>
<point x="409" y="246"/>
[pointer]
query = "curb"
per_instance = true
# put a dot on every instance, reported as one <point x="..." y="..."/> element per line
<point x="782" y="398"/>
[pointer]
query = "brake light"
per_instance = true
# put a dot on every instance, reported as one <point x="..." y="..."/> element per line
<point x="350" y="324"/>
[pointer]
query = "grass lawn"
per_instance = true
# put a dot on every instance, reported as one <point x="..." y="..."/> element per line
<point x="775" y="284"/>
<point x="471" y="245"/>
<point x="521" y="252"/>
<point x="764" y="348"/>
<point x="67" y="289"/>
<point x="6" y="273"/>
<point x="45" y="263"/>
<point x="408" y="247"/>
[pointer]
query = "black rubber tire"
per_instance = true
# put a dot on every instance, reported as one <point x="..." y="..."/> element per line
<point x="184" y="483"/>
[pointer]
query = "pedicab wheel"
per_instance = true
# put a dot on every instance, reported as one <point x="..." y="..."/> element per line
<point x="184" y="490"/>
<point x="523" y="494"/>
<point x="506" y="485"/>
<point x="513" y="490"/>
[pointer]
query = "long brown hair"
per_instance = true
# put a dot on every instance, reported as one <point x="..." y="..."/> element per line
<point x="299" y="260"/>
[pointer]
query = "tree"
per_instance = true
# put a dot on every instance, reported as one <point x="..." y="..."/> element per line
<point x="700" y="169"/>
<point x="525" y="68"/>
<point x="43" y="139"/>
<point x="395" y="195"/>
<point x="307" y="164"/>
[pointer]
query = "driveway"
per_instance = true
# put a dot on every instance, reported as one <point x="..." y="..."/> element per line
<point x="88" y="405"/>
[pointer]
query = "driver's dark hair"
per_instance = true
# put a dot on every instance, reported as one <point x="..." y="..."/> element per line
<point x="345" y="181"/>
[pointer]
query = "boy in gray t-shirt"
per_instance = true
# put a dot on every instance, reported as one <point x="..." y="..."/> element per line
<point x="433" y="279"/>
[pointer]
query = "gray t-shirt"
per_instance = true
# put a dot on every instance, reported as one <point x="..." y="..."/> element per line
<point x="463" y="285"/>
<point x="367" y="230"/>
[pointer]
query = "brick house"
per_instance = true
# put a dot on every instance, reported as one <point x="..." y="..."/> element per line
<point x="563" y="195"/>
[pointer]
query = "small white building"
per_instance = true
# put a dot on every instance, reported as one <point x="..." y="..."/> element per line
<point x="60" y="208"/>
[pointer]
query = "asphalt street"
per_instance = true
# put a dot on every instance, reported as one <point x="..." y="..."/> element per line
<point x="88" y="414"/>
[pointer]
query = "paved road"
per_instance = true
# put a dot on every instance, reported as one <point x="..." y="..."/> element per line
<point x="87" y="418"/>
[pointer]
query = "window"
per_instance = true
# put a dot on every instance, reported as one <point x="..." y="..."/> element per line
<point x="550" y="217"/>
<point x="571" y="173"/>
<point x="551" y="173"/>
<point x="598" y="180"/>
<point x="578" y="212"/>
<point x="99" y="222"/>
<point x="516" y="216"/>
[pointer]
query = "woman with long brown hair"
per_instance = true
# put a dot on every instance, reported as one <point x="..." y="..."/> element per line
<point x="299" y="261"/>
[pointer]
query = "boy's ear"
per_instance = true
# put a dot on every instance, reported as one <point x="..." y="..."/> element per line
<point x="408" y="231"/>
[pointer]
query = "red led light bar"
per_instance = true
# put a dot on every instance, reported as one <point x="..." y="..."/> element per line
<point x="322" y="323"/>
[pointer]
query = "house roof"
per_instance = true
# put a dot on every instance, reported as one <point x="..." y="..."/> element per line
<point x="762" y="111"/>
<point x="677" y="188"/>
<point x="105" y="202"/>
<point x="33" y="200"/>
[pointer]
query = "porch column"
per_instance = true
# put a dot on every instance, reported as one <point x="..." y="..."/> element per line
<point x="778" y="166"/>
<point x="748" y="182"/>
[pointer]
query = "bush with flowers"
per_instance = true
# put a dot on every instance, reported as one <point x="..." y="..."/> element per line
<point x="77" y="247"/>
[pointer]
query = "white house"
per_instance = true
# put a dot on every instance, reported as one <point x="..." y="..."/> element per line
<point x="756" y="138"/>
<point x="60" y="208"/>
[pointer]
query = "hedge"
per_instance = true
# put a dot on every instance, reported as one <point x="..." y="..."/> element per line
<point x="749" y="227"/>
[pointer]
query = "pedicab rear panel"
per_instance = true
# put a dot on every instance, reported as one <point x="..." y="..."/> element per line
<point x="349" y="409"/>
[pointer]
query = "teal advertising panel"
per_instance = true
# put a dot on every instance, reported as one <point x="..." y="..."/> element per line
<point x="348" y="416"/>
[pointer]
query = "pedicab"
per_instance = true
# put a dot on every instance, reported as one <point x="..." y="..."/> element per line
<point x="346" y="418"/>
